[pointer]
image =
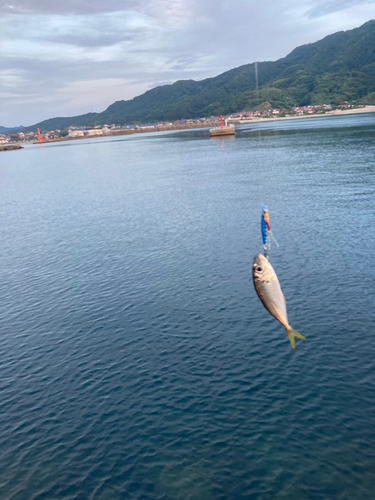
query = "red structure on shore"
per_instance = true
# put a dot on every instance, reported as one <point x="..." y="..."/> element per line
<point x="40" y="138"/>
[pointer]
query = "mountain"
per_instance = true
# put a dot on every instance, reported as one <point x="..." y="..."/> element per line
<point x="4" y="130"/>
<point x="340" y="67"/>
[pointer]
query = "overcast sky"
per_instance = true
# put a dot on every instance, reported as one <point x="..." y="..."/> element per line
<point x="68" y="57"/>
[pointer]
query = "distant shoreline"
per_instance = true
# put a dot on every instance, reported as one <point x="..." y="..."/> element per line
<point x="132" y="131"/>
<point x="336" y="112"/>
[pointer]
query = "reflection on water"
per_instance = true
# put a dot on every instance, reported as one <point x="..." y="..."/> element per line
<point x="263" y="133"/>
<point x="135" y="357"/>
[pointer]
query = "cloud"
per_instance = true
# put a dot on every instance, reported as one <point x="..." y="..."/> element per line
<point x="328" y="7"/>
<point x="67" y="58"/>
<point x="160" y="9"/>
<point x="84" y="7"/>
<point x="79" y="31"/>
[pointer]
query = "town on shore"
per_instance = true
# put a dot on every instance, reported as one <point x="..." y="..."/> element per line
<point x="235" y="118"/>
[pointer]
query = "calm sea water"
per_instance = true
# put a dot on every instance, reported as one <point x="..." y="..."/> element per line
<point x="136" y="360"/>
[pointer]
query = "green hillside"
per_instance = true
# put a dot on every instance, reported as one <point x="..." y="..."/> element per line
<point x="341" y="67"/>
<point x="9" y="130"/>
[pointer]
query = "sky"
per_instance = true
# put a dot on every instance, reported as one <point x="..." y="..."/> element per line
<point x="69" y="57"/>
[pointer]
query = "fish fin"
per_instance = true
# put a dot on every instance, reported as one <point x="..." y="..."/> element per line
<point x="292" y="334"/>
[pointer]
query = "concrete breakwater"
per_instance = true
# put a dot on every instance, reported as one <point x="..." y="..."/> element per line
<point x="10" y="147"/>
<point x="218" y="131"/>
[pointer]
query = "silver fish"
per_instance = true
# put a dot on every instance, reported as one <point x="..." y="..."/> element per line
<point x="269" y="291"/>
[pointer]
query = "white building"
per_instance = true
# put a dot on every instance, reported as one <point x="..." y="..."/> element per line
<point x="78" y="132"/>
<point x="94" y="131"/>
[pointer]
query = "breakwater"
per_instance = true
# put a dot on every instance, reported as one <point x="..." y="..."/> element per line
<point x="10" y="147"/>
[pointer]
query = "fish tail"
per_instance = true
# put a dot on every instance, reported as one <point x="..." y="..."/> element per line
<point x="292" y="334"/>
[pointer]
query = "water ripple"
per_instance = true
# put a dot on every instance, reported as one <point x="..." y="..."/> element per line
<point x="136" y="360"/>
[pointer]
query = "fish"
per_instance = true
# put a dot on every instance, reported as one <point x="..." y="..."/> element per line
<point x="268" y="288"/>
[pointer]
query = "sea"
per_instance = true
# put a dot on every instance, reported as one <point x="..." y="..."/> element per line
<point x="136" y="360"/>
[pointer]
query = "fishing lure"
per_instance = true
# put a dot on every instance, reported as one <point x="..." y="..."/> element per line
<point x="266" y="231"/>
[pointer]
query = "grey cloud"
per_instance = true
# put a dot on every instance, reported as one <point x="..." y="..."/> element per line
<point x="95" y="40"/>
<point x="64" y="7"/>
<point x="331" y="6"/>
<point x="85" y="7"/>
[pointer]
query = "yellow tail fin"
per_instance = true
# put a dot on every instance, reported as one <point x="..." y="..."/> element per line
<point x="292" y="334"/>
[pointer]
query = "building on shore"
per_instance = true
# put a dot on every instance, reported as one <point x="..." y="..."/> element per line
<point x="83" y="132"/>
<point x="146" y="125"/>
<point x="78" y="132"/>
<point x="94" y="131"/>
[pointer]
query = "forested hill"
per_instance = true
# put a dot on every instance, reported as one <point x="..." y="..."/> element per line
<point x="9" y="130"/>
<point x="340" y="67"/>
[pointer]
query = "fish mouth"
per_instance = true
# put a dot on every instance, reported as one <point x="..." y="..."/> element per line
<point x="259" y="260"/>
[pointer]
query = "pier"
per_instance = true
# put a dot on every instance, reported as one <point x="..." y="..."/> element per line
<point x="222" y="130"/>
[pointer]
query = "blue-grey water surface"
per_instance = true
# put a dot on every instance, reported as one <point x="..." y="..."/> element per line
<point x="136" y="360"/>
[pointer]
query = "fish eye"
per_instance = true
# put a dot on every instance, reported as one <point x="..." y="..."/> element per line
<point x="259" y="269"/>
